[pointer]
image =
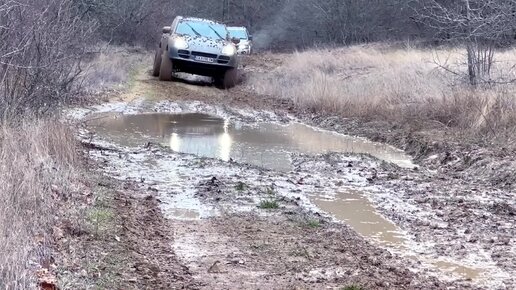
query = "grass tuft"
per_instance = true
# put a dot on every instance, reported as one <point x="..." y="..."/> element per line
<point x="112" y="67"/>
<point x="313" y="224"/>
<point x="240" y="186"/>
<point x="269" y="204"/>
<point x="353" y="287"/>
<point x="100" y="218"/>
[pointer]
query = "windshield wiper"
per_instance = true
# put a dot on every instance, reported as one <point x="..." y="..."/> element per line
<point x="194" y="31"/>
<point x="216" y="32"/>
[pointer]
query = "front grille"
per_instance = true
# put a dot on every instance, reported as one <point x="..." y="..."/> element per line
<point x="183" y="53"/>
<point x="198" y="53"/>
<point x="223" y="59"/>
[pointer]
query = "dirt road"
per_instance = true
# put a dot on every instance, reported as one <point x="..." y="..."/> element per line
<point x="221" y="208"/>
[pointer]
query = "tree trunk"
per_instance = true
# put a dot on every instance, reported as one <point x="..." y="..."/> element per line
<point x="470" y="46"/>
<point x="471" y="63"/>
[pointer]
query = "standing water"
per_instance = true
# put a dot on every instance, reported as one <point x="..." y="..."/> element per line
<point x="264" y="144"/>
<point x="267" y="145"/>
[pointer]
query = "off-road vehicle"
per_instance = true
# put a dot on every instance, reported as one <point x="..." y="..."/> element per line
<point x="246" y="40"/>
<point x="197" y="46"/>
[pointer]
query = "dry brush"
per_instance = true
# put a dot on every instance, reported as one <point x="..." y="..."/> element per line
<point x="42" y="46"/>
<point x="401" y="86"/>
<point x="35" y="158"/>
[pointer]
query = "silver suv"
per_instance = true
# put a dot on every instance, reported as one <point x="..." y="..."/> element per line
<point x="197" y="46"/>
<point x="246" y="40"/>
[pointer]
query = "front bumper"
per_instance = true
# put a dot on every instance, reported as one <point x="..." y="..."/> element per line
<point x="184" y="60"/>
<point x="244" y="50"/>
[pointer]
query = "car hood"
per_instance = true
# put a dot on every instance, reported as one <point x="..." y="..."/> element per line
<point x="205" y="44"/>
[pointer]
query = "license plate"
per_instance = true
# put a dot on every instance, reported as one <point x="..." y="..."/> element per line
<point x="203" y="58"/>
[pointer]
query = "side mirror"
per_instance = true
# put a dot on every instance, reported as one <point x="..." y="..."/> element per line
<point x="167" y="29"/>
<point x="235" y="40"/>
<point x="250" y="37"/>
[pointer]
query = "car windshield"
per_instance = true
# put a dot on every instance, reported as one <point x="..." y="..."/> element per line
<point x="200" y="28"/>
<point x="238" y="33"/>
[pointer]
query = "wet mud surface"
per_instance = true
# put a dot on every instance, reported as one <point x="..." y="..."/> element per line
<point x="226" y="238"/>
<point x="111" y="235"/>
<point x="342" y="218"/>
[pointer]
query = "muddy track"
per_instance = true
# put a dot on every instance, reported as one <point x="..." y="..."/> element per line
<point x="147" y="234"/>
<point x="111" y="235"/>
<point x="450" y="201"/>
<point x="284" y="248"/>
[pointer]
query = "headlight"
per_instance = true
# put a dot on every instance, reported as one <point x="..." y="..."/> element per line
<point x="229" y="50"/>
<point x="180" y="43"/>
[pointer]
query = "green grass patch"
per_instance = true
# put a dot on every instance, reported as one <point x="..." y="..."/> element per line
<point x="241" y="186"/>
<point x="100" y="217"/>
<point x="313" y="224"/>
<point x="353" y="287"/>
<point x="269" y="204"/>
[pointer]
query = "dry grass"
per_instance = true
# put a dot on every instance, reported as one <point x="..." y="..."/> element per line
<point x="405" y="86"/>
<point x="34" y="157"/>
<point x="112" y="67"/>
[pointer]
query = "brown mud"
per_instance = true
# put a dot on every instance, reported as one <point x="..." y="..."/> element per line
<point x="285" y="247"/>
<point x="461" y="199"/>
<point x="111" y="235"/>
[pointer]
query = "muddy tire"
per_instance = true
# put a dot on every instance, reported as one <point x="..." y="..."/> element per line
<point x="229" y="79"/>
<point x="157" y="63"/>
<point x="166" y="68"/>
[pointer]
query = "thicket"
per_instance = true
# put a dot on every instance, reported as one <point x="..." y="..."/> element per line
<point x="44" y="43"/>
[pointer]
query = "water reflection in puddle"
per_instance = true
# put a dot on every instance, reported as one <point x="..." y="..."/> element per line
<point x="264" y="144"/>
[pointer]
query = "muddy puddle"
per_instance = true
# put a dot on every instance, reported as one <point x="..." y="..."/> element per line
<point x="353" y="208"/>
<point x="267" y="145"/>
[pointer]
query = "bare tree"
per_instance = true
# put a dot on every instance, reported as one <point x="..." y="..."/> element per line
<point x="133" y="22"/>
<point x="479" y="24"/>
<point x="40" y="54"/>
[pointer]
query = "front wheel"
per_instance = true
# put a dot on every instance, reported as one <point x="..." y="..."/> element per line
<point x="157" y="63"/>
<point x="166" y="67"/>
<point x="229" y="79"/>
